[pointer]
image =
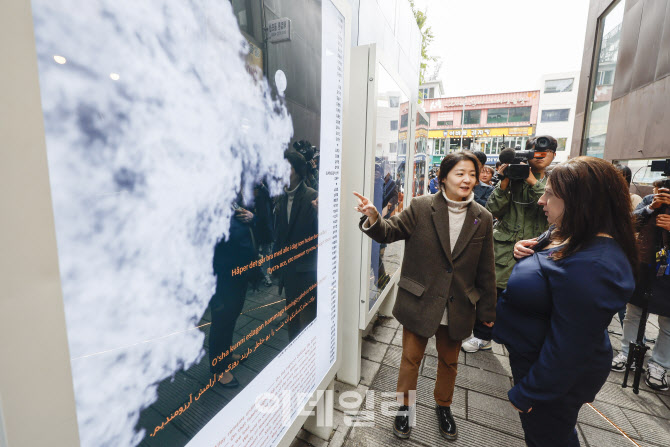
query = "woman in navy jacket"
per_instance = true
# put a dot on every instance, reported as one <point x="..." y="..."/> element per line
<point x="554" y="314"/>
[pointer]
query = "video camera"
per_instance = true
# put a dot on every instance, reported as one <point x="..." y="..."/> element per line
<point x="306" y="149"/>
<point x="664" y="167"/>
<point x="514" y="158"/>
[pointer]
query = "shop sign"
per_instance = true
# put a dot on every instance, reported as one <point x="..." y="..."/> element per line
<point x="519" y="131"/>
<point x="279" y="30"/>
<point x="467" y="133"/>
<point x="422" y="133"/>
<point x="483" y="133"/>
<point x="402" y="136"/>
<point x="438" y="104"/>
<point x="255" y="61"/>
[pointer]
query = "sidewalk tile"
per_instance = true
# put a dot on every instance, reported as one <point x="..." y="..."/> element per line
<point x="368" y="371"/>
<point x="342" y="388"/>
<point x="650" y="428"/>
<point x="373" y="350"/>
<point x="596" y="437"/>
<point x="397" y="338"/>
<point x="311" y="439"/>
<point x="392" y="357"/>
<point x="389" y="322"/>
<point x="587" y="416"/>
<point x="489" y="361"/>
<point x="483" y="381"/>
<point x="382" y="334"/>
<point x="644" y="402"/>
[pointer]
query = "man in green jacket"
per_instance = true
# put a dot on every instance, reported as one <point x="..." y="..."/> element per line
<point x="514" y="204"/>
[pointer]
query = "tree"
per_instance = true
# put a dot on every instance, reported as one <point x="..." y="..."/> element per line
<point x="427" y="37"/>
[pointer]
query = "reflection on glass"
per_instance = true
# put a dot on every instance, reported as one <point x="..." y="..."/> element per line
<point x="598" y="111"/>
<point x="389" y="175"/>
<point x="175" y="232"/>
<point x="558" y="85"/>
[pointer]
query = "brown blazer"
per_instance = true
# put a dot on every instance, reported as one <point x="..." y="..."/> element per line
<point x="433" y="277"/>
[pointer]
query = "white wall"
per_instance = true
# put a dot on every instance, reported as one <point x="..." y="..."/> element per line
<point x="392" y="26"/>
<point x="551" y="101"/>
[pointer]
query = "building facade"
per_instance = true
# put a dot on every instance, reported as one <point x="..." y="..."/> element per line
<point x="483" y="122"/>
<point x="558" y="98"/>
<point x="431" y="90"/>
<point x="623" y="111"/>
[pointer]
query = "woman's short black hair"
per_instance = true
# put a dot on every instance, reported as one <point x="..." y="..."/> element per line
<point x="451" y="160"/>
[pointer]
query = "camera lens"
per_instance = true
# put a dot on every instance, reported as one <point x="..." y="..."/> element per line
<point x="542" y="143"/>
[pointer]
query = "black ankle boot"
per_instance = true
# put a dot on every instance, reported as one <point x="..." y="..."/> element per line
<point x="447" y="424"/>
<point x="402" y="427"/>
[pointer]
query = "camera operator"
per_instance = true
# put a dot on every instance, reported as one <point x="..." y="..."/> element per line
<point x="514" y="204"/>
<point x="653" y="223"/>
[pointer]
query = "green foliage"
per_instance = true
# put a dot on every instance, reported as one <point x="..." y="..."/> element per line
<point x="427" y="37"/>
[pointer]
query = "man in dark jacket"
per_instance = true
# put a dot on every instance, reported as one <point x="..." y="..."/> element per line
<point x="653" y="224"/>
<point x="296" y="231"/>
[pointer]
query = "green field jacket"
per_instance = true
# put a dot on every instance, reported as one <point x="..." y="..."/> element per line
<point x="519" y="217"/>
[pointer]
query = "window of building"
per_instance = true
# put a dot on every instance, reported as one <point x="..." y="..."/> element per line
<point x="403" y="120"/>
<point x="561" y="144"/>
<point x="394" y="102"/>
<point x="519" y="114"/>
<point x="421" y="120"/>
<point x="472" y="116"/>
<point x="432" y="93"/>
<point x="550" y="116"/>
<point x="242" y="9"/>
<point x="394" y="124"/>
<point x="393" y="147"/>
<point x="445" y="123"/>
<point x="497" y="116"/>
<point x="439" y="146"/>
<point x="602" y="80"/>
<point x="558" y="85"/>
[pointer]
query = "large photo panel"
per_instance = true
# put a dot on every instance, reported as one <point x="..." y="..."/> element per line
<point x="193" y="152"/>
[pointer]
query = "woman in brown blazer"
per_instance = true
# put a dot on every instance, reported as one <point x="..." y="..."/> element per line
<point x="446" y="282"/>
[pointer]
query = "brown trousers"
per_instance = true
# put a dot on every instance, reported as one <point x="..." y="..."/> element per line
<point x="413" y="348"/>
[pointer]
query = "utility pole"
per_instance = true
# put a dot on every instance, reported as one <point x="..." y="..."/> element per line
<point x="462" y="122"/>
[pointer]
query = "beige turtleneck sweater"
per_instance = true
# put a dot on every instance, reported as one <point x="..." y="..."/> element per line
<point x="457" y="211"/>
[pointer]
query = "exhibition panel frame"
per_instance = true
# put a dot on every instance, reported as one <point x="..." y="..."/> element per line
<point x="385" y="93"/>
<point x="378" y="152"/>
<point x="136" y="141"/>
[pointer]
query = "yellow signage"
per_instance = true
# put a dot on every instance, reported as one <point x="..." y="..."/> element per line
<point x="422" y="133"/>
<point x="402" y="135"/>
<point x="481" y="133"/>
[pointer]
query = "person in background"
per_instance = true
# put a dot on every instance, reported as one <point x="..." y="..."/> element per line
<point x="553" y="315"/>
<point x="628" y="176"/>
<point x="263" y="229"/>
<point x="514" y="204"/>
<point x="446" y="281"/>
<point x="297" y="220"/>
<point x="653" y="224"/>
<point x="433" y="185"/>
<point x="483" y="189"/>
<point x="228" y="300"/>
<point x="635" y="201"/>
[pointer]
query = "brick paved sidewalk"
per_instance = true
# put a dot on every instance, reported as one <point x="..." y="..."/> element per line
<point x="483" y="413"/>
